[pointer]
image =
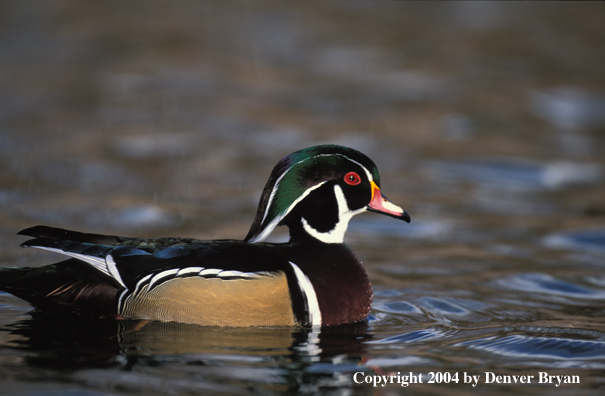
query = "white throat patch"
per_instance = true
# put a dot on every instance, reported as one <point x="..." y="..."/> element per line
<point x="336" y="234"/>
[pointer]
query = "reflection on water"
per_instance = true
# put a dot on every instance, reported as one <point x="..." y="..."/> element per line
<point x="154" y="357"/>
<point x="77" y="347"/>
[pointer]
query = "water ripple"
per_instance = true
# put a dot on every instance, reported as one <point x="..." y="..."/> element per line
<point x="542" y="283"/>
<point x="402" y="307"/>
<point x="397" y="361"/>
<point x="540" y="347"/>
<point x="412" y="336"/>
<point x="443" y="307"/>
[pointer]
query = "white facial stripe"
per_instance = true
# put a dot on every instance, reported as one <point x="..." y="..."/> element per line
<point x="368" y="174"/>
<point x="337" y="234"/>
<point x="276" y="187"/>
<point x="309" y="293"/>
<point x="271" y="226"/>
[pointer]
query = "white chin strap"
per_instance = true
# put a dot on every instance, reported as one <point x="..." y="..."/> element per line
<point x="336" y="234"/>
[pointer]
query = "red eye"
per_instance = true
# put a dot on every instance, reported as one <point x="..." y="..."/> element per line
<point x="352" y="178"/>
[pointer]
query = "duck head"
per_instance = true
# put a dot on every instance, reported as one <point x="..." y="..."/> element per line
<point x="317" y="190"/>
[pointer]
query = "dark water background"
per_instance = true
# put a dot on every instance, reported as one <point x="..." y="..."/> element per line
<point x="487" y="121"/>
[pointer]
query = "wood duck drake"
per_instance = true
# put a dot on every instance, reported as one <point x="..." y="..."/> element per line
<point x="312" y="280"/>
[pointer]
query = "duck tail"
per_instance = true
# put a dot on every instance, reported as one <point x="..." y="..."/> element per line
<point x="61" y="287"/>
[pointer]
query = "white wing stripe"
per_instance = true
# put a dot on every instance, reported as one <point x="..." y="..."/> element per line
<point x="239" y="274"/>
<point x="209" y="271"/>
<point x="97" y="262"/>
<point x="190" y="270"/>
<point x="157" y="277"/>
<point x="105" y="265"/>
<point x="113" y="270"/>
<point x="141" y="281"/>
